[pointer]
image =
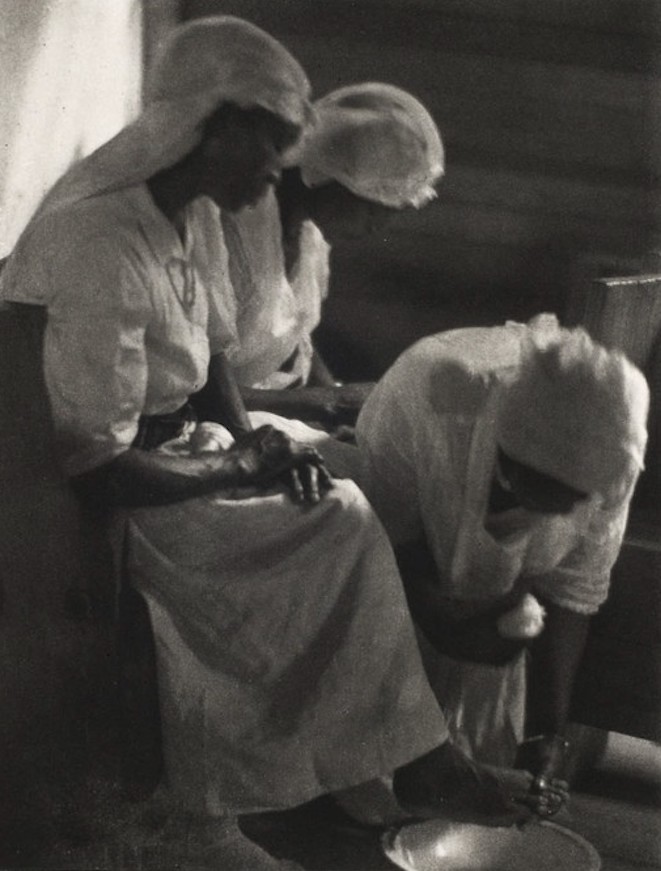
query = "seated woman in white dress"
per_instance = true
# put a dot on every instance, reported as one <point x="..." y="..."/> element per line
<point x="287" y="662"/>
<point x="373" y="152"/>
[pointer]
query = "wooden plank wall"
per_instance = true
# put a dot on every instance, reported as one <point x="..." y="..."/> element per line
<point x="550" y="115"/>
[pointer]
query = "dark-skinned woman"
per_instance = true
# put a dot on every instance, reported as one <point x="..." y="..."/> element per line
<point x="287" y="661"/>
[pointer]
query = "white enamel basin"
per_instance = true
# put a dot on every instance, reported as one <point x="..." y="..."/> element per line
<point x="438" y="845"/>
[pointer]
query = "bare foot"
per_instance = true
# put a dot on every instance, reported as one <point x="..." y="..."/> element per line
<point x="446" y="783"/>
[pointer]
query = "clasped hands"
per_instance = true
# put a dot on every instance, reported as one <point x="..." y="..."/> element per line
<point x="267" y="454"/>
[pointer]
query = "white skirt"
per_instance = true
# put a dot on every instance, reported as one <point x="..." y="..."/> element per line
<point x="484" y="705"/>
<point x="287" y="662"/>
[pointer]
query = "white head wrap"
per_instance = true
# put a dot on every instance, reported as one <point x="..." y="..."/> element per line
<point x="376" y="140"/>
<point x="577" y="412"/>
<point x="205" y="63"/>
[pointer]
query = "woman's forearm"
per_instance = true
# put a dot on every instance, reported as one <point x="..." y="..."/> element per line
<point x="223" y="401"/>
<point x="330" y="406"/>
<point x="257" y="459"/>
<point x="555" y="657"/>
<point x="320" y="374"/>
<point x="220" y="399"/>
<point x="138" y="477"/>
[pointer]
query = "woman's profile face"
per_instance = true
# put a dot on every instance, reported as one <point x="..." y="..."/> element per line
<point x="341" y="215"/>
<point x="241" y="155"/>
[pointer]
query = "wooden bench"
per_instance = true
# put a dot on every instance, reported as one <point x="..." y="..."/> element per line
<point x="619" y="684"/>
<point x="77" y="678"/>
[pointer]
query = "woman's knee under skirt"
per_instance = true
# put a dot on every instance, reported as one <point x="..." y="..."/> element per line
<point x="288" y="664"/>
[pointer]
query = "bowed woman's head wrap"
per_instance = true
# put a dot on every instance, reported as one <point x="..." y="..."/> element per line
<point x="376" y="140"/>
<point x="205" y="63"/>
<point x="577" y="412"/>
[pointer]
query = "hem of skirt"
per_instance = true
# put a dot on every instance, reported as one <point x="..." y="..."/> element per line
<point x="314" y="791"/>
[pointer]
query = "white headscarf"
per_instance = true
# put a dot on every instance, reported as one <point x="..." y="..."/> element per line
<point x="376" y="140"/>
<point x="577" y="412"/>
<point x="206" y="62"/>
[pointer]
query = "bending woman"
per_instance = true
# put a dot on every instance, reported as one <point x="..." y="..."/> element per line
<point x="509" y="456"/>
<point x="373" y="152"/>
<point x="287" y="662"/>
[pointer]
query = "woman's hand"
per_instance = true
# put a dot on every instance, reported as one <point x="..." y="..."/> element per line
<point x="268" y="454"/>
<point x="546" y="797"/>
<point x="536" y="801"/>
<point x="258" y="458"/>
<point x="545" y="758"/>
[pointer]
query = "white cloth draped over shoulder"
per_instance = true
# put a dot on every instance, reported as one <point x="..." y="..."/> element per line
<point x="261" y="318"/>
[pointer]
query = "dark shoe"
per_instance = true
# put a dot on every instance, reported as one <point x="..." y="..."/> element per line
<point x="446" y="783"/>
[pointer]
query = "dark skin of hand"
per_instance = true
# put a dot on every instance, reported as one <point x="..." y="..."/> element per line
<point x="536" y="803"/>
<point x="222" y="401"/>
<point x="546" y="797"/>
<point x="555" y="657"/>
<point x="259" y="458"/>
<point x="237" y="158"/>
